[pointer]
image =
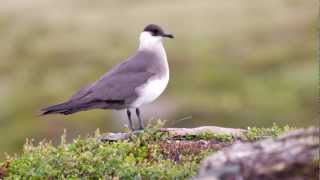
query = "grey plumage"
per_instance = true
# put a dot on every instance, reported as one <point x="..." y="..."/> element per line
<point x="115" y="89"/>
<point x="138" y="80"/>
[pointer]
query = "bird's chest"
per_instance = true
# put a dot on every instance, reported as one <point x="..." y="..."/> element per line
<point x="151" y="90"/>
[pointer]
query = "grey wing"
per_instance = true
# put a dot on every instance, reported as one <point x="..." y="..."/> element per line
<point x="119" y="84"/>
<point x="120" y="87"/>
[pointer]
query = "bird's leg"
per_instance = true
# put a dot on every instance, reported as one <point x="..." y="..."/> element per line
<point x="140" y="120"/>
<point x="130" y="120"/>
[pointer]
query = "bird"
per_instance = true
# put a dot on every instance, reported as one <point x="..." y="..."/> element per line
<point x="138" y="80"/>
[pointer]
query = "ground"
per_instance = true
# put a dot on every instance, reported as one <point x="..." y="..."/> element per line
<point x="153" y="154"/>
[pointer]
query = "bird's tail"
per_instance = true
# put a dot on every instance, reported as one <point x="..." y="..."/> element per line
<point x="63" y="108"/>
<point x="71" y="107"/>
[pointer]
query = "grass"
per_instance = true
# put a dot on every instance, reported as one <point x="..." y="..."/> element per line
<point x="139" y="158"/>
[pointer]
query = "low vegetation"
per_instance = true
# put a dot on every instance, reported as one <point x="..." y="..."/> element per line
<point x="254" y="133"/>
<point x="150" y="154"/>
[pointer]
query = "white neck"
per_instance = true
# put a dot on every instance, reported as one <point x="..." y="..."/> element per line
<point x="152" y="43"/>
<point x="149" y="42"/>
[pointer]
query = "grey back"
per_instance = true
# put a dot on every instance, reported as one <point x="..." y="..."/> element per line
<point x="119" y="84"/>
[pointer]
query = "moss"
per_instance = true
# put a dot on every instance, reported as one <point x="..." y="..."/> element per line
<point x="88" y="158"/>
<point x="221" y="137"/>
<point x="148" y="155"/>
<point x="255" y="133"/>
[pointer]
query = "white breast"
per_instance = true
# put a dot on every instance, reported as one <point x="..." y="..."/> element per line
<point x="150" y="90"/>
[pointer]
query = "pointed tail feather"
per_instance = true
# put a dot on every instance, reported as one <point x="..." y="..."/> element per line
<point x="73" y="107"/>
<point x="56" y="109"/>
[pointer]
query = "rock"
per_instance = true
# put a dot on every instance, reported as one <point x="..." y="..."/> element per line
<point x="292" y="156"/>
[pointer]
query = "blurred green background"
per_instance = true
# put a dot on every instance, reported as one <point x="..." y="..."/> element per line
<point x="233" y="63"/>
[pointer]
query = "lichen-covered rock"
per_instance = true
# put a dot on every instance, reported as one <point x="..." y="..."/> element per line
<point x="292" y="156"/>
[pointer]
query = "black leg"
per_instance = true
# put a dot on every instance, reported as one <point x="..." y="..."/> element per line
<point x="130" y="121"/>
<point x="140" y="120"/>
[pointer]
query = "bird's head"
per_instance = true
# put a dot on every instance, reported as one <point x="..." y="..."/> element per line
<point x="153" y="34"/>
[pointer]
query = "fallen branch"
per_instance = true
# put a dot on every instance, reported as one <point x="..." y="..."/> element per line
<point x="204" y="129"/>
<point x="177" y="132"/>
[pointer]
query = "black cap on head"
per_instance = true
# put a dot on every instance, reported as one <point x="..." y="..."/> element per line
<point x="156" y="30"/>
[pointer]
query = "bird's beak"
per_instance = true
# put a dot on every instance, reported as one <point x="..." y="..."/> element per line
<point x="168" y="35"/>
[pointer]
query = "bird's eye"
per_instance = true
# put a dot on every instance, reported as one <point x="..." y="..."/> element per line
<point x="155" y="32"/>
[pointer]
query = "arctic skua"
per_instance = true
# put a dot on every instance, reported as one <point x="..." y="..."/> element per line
<point x="139" y="80"/>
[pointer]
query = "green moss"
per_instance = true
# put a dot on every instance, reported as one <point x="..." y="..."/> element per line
<point x="88" y="158"/>
<point x="144" y="156"/>
<point x="254" y="133"/>
<point x="221" y="137"/>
